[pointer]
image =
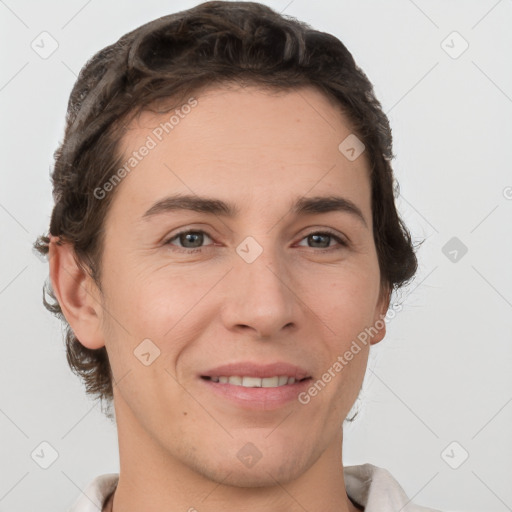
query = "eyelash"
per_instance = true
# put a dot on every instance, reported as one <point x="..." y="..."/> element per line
<point x="343" y="244"/>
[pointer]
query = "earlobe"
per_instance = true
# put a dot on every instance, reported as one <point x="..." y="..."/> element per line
<point x="380" y="315"/>
<point x="76" y="294"/>
<point x="380" y="325"/>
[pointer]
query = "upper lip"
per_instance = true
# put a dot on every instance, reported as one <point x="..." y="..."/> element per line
<point x="250" y="369"/>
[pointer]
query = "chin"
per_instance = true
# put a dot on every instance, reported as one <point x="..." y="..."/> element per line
<point x="250" y="467"/>
<point x="264" y="475"/>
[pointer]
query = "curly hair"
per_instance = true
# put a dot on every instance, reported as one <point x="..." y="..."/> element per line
<point x="173" y="57"/>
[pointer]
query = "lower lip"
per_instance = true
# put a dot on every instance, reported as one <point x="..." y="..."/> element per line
<point x="258" y="398"/>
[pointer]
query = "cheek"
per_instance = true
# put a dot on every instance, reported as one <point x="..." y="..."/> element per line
<point x="144" y="297"/>
<point x="157" y="306"/>
<point x="147" y="329"/>
<point x="158" y="303"/>
<point x="345" y="304"/>
<point x="343" y="298"/>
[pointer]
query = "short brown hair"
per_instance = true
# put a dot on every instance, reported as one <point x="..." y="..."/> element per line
<point x="174" y="57"/>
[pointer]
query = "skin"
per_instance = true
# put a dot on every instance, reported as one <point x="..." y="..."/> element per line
<point x="178" y="442"/>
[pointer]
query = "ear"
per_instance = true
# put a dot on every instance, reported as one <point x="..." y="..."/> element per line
<point x="78" y="295"/>
<point x="381" y="309"/>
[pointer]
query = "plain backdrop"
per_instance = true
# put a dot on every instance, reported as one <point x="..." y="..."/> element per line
<point x="437" y="399"/>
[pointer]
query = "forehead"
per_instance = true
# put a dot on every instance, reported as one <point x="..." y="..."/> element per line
<point x="243" y="141"/>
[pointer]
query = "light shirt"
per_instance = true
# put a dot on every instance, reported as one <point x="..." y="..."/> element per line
<point x="367" y="485"/>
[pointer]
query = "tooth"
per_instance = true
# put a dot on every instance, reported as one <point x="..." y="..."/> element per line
<point x="270" y="382"/>
<point x="251" y="382"/>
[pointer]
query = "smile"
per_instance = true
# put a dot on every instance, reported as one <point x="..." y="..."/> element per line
<point x="254" y="382"/>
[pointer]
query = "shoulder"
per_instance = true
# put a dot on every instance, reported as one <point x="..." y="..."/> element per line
<point x="377" y="490"/>
<point x="96" y="493"/>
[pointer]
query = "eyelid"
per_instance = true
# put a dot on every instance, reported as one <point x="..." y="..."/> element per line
<point x="341" y="239"/>
<point x="167" y="240"/>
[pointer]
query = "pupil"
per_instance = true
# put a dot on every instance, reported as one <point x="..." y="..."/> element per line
<point x="316" y="237"/>
<point x="193" y="235"/>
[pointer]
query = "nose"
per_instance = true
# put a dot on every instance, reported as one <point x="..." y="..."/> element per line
<point x="259" y="296"/>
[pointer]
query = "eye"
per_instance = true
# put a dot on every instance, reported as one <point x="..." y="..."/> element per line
<point x="319" y="238"/>
<point x="189" y="239"/>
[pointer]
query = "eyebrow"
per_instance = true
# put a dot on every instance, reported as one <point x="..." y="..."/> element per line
<point x="303" y="206"/>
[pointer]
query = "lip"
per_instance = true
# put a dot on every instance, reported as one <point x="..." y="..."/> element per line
<point x="260" y="399"/>
<point x="250" y="369"/>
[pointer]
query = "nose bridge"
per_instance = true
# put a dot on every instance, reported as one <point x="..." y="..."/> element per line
<point x="260" y="295"/>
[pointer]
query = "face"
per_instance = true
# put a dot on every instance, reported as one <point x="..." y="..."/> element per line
<point x="190" y="290"/>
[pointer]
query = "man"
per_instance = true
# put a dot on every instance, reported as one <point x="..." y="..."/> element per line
<point x="223" y="249"/>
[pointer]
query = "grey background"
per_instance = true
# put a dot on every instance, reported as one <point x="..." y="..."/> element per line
<point x="442" y="374"/>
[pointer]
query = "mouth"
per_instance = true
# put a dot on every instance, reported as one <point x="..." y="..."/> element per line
<point x="275" y="381"/>
<point x="250" y="393"/>
<point x="257" y="386"/>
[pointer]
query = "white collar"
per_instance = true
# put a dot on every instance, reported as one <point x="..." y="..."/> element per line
<point x="370" y="486"/>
